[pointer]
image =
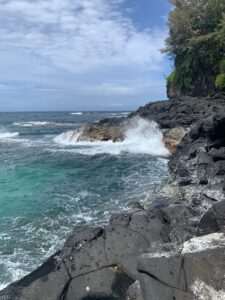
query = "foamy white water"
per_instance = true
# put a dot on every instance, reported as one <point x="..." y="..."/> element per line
<point x="142" y="136"/>
<point x="40" y="124"/>
<point x="7" y="135"/>
<point x="76" y="113"/>
<point x="31" y="123"/>
<point x="67" y="138"/>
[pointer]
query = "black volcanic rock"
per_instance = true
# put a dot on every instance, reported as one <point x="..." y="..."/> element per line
<point x="194" y="270"/>
<point x="94" y="262"/>
<point x="181" y="112"/>
<point x="155" y="242"/>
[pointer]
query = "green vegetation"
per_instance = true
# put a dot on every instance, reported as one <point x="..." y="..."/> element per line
<point x="220" y="81"/>
<point x="196" y="43"/>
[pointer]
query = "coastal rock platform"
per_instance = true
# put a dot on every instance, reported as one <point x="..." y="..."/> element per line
<point x="171" y="246"/>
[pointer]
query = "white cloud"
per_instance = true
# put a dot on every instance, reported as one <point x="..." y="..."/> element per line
<point x="78" y="36"/>
<point x="115" y="89"/>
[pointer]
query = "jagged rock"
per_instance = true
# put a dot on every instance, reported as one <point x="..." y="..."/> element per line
<point x="162" y="196"/>
<point x="183" y="221"/>
<point x="108" y="129"/>
<point x="213" y="220"/>
<point x="101" y="263"/>
<point x="174" y="136"/>
<point x="217" y="154"/>
<point x="181" y="112"/>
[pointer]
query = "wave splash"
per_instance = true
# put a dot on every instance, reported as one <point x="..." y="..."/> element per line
<point x="68" y="138"/>
<point x="142" y="136"/>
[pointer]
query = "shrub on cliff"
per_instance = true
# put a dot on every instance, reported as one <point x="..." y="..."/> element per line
<point x="196" y="43"/>
<point x="220" y="81"/>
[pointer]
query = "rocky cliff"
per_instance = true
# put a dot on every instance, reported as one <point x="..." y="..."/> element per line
<point x="170" y="246"/>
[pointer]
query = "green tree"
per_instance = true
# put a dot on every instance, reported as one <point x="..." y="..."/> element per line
<point x="196" y="43"/>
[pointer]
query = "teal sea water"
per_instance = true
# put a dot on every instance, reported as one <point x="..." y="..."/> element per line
<point x="49" y="183"/>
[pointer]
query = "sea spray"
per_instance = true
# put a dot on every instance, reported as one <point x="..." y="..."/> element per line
<point x="141" y="136"/>
<point x="68" y="138"/>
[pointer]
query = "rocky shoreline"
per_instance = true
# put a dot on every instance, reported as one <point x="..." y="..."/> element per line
<point x="171" y="246"/>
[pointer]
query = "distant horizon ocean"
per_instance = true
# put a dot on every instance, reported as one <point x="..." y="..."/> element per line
<point x="49" y="184"/>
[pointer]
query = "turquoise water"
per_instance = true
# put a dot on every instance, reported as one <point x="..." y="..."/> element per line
<point x="46" y="187"/>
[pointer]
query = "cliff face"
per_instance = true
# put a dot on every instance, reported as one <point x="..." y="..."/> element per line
<point x="202" y="88"/>
<point x="169" y="247"/>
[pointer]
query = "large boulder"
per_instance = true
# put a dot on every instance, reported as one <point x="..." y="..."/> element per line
<point x="213" y="220"/>
<point x="105" y="130"/>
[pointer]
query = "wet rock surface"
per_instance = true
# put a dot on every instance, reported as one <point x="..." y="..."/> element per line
<point x="108" y="129"/>
<point x="171" y="246"/>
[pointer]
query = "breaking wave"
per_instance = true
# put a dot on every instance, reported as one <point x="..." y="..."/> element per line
<point x="31" y="124"/>
<point x="8" y="135"/>
<point x="68" y="138"/>
<point x="76" y="113"/>
<point x="41" y="124"/>
<point x="141" y="136"/>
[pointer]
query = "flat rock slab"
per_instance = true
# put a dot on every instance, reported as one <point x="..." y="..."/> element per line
<point x="175" y="275"/>
<point x="107" y="283"/>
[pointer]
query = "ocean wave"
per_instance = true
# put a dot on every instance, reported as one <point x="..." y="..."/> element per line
<point x="8" y="135"/>
<point x="118" y="113"/>
<point x="42" y="124"/>
<point x="76" y="113"/>
<point x="142" y="137"/>
<point x="31" y="123"/>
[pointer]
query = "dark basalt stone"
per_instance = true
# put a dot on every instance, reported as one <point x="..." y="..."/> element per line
<point x="191" y="271"/>
<point x="102" y="263"/>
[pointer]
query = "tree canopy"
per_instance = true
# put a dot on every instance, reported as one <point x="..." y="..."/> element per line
<point x="196" y="43"/>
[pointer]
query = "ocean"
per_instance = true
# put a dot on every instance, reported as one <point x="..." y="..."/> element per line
<point x="50" y="183"/>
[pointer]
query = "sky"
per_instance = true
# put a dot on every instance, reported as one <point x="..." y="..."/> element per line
<point x="72" y="55"/>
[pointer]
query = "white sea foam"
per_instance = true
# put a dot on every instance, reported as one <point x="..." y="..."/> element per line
<point x="41" y="124"/>
<point x="142" y="136"/>
<point x="31" y="123"/>
<point x="3" y="285"/>
<point x="15" y="269"/>
<point x="76" y="113"/>
<point x="68" y="138"/>
<point x="8" y="135"/>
